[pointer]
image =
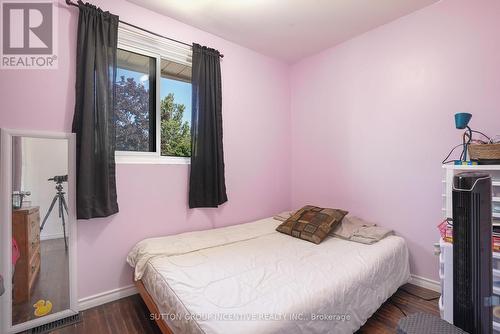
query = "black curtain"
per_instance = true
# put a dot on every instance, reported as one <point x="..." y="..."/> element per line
<point x="93" y="121"/>
<point x="207" y="187"/>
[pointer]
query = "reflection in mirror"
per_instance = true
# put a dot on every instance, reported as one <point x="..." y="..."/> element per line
<point x="40" y="261"/>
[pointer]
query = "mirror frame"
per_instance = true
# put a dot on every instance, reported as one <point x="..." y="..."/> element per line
<point x="6" y="228"/>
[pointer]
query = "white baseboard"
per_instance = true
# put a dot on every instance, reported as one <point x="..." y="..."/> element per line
<point x="425" y="283"/>
<point x="106" y="297"/>
<point x="51" y="236"/>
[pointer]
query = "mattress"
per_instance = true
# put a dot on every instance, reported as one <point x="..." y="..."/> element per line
<point x="251" y="279"/>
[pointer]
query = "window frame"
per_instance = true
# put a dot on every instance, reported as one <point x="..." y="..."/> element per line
<point x="134" y="40"/>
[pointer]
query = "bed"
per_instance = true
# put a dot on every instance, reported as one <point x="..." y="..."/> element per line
<point x="249" y="278"/>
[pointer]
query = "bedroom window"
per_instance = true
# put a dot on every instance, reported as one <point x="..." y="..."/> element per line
<point x="175" y="107"/>
<point x="135" y="102"/>
<point x="153" y="99"/>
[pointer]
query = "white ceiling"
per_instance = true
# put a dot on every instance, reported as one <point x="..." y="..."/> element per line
<point x="285" y="29"/>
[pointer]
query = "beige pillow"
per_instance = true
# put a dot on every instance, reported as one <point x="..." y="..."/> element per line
<point x="283" y="216"/>
<point x="312" y="223"/>
<point x="348" y="227"/>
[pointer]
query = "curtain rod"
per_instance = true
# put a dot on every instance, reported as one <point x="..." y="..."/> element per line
<point x="71" y="3"/>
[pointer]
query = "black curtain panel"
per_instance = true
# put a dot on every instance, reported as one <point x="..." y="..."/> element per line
<point x="207" y="187"/>
<point x="93" y="121"/>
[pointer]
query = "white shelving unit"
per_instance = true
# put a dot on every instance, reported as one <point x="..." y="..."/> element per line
<point x="446" y="249"/>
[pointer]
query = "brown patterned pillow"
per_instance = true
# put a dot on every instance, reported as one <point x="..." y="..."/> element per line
<point x="312" y="223"/>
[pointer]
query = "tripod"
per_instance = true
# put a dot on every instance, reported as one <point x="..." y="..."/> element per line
<point x="62" y="207"/>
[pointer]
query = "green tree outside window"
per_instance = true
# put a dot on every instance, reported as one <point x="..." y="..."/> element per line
<point x="132" y="121"/>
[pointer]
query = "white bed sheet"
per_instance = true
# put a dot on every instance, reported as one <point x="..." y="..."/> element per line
<point x="273" y="283"/>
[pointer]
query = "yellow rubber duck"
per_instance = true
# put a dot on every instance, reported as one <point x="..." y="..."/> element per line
<point x="42" y="307"/>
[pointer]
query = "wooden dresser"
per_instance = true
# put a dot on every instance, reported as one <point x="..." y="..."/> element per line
<point x="26" y="232"/>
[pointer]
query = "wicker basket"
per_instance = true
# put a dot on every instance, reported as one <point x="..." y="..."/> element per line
<point x="484" y="151"/>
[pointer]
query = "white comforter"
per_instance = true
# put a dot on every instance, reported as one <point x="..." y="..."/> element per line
<point x="251" y="279"/>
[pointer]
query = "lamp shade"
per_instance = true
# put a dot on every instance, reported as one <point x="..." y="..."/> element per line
<point x="462" y="120"/>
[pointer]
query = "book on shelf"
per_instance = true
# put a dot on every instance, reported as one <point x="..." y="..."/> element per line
<point x="495" y="245"/>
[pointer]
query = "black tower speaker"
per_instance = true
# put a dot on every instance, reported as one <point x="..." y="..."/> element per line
<point x="472" y="272"/>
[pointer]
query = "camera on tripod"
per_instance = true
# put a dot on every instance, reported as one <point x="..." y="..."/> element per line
<point x="62" y="206"/>
<point x="59" y="178"/>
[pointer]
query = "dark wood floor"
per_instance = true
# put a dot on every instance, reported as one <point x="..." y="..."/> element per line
<point x="407" y="300"/>
<point x="52" y="282"/>
<point x="131" y="316"/>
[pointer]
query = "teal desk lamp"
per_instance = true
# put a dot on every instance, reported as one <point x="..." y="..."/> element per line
<point x="462" y="122"/>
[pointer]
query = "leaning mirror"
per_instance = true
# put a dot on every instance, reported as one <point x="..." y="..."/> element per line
<point x="38" y="191"/>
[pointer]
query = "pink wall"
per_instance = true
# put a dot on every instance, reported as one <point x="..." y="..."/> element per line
<point x="372" y="118"/>
<point x="153" y="198"/>
<point x="370" y="121"/>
